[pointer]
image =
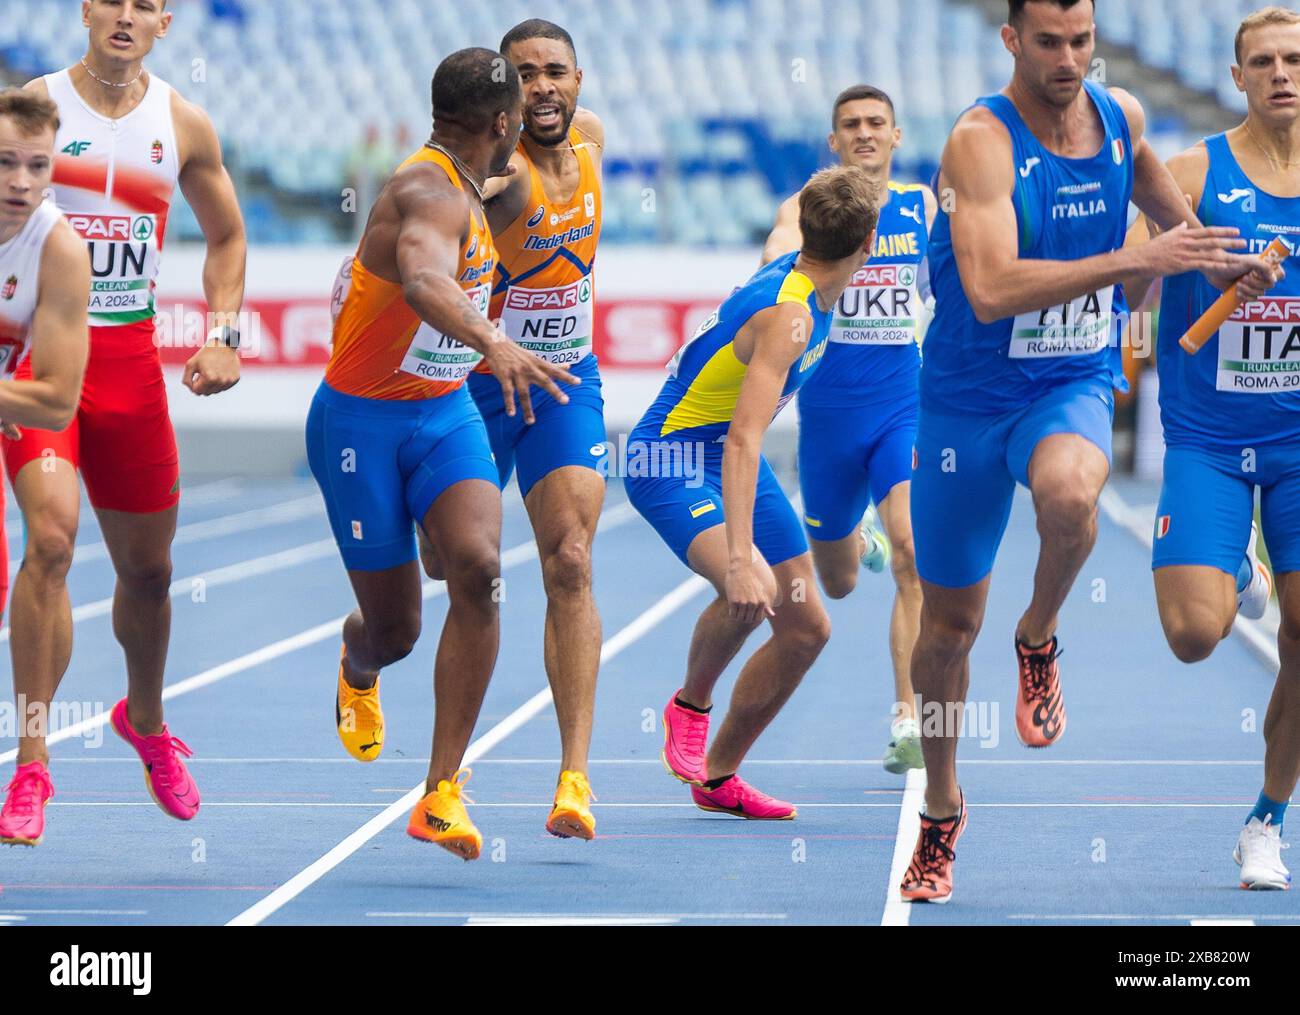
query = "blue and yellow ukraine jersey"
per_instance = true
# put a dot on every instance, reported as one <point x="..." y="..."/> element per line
<point x="699" y="398"/>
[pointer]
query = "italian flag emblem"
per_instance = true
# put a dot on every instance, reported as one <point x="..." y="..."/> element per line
<point x="1162" y="526"/>
<point x="155" y="153"/>
<point x="1117" y="151"/>
<point x="11" y="287"/>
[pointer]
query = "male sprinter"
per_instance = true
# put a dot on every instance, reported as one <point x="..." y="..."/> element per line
<point x="1232" y="417"/>
<point x="126" y="140"/>
<point x="394" y="440"/>
<point x="857" y="415"/>
<point x="44" y="288"/>
<point x="736" y="528"/>
<point x="546" y="221"/>
<point x="1016" y="385"/>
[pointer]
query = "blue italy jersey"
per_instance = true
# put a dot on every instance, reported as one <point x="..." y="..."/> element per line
<point x="1243" y="387"/>
<point x="1066" y="209"/>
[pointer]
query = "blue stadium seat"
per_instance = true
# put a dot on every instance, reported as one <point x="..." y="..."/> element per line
<point x="718" y="107"/>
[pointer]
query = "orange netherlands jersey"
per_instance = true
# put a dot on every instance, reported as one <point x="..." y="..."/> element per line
<point x="382" y="349"/>
<point x="544" y="291"/>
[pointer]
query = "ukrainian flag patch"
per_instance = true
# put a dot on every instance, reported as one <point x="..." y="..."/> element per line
<point x="702" y="508"/>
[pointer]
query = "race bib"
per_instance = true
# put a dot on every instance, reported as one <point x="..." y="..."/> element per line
<point x="341" y="288"/>
<point x="555" y="324"/>
<point x="123" y="263"/>
<point x="1078" y="328"/>
<point x="707" y="325"/>
<point x="9" y="357"/>
<point x="433" y="356"/>
<point x="1259" y="348"/>
<point x="879" y="307"/>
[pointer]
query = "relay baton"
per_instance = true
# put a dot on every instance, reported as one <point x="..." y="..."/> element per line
<point x="1226" y="305"/>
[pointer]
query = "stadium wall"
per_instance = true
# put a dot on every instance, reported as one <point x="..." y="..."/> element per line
<point x="648" y="302"/>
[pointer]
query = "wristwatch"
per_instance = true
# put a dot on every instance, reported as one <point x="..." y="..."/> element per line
<point x="226" y="335"/>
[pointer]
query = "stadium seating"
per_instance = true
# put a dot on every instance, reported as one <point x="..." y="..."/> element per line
<point x="711" y="120"/>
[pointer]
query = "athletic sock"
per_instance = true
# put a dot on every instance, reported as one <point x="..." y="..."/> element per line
<point x="1264" y="808"/>
<point x="1035" y="648"/>
<point x="713" y="784"/>
<point x="1245" y="574"/>
<point x="691" y="708"/>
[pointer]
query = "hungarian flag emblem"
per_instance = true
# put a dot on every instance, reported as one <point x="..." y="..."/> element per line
<point x="1117" y="151"/>
<point x="11" y="287"/>
<point x="1162" y="526"/>
<point x="155" y="153"/>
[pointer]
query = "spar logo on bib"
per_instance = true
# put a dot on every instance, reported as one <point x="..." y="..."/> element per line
<point x="102" y="227"/>
<point x="564" y="298"/>
<point x="1259" y="347"/>
<point x="877" y="307"/>
<point x="556" y="324"/>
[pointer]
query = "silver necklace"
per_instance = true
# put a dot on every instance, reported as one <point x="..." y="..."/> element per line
<point x="112" y="84"/>
<point x="1277" y="164"/>
<point x="461" y="168"/>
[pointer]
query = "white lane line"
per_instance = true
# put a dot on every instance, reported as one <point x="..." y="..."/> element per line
<point x="521" y="554"/>
<point x="241" y="571"/>
<point x="1223" y="923"/>
<point x="659" y="805"/>
<point x="898" y="911"/>
<point x="76" y="912"/>
<point x="572" y="921"/>
<point x="305" y="878"/>
<point x="654" y="762"/>
<point x="1181" y="917"/>
<point x="1260" y="639"/>
<point x="481" y="918"/>
<point x="227" y="525"/>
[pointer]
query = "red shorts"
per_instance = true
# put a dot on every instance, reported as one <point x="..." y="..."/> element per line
<point x="4" y="554"/>
<point x="121" y="438"/>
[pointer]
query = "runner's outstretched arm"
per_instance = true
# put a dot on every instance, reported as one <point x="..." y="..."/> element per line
<point x="433" y="218"/>
<point x="978" y="169"/>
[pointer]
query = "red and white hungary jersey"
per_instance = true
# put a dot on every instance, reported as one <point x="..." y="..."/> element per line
<point x="114" y="180"/>
<point x="20" y="269"/>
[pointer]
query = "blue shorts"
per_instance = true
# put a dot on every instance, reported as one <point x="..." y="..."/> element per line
<point x="563" y="435"/>
<point x="967" y="467"/>
<point x="849" y="456"/>
<point x="381" y="464"/>
<point x="680" y="508"/>
<point x="1208" y="503"/>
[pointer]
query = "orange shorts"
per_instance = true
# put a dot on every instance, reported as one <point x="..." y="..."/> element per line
<point x="121" y="438"/>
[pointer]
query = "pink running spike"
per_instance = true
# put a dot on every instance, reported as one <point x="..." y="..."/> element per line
<point x="165" y="774"/>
